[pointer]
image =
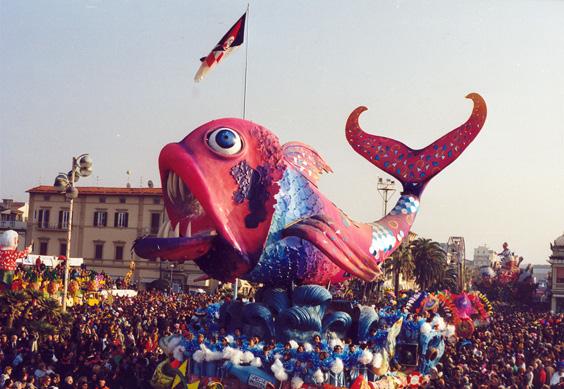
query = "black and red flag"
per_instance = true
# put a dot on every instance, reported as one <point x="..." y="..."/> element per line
<point x="226" y="45"/>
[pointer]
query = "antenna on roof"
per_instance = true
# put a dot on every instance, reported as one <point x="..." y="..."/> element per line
<point x="150" y="184"/>
<point x="128" y="176"/>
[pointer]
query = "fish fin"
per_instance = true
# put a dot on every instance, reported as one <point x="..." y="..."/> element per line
<point x="305" y="160"/>
<point x="414" y="168"/>
<point x="344" y="252"/>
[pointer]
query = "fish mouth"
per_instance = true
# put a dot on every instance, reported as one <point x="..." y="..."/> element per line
<point x="198" y="228"/>
<point x="188" y="233"/>
<point x="187" y="216"/>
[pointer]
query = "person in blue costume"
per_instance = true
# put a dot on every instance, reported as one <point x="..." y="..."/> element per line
<point x="322" y="344"/>
<point x="211" y="367"/>
<point x="197" y="367"/>
<point x="222" y="344"/>
<point x="326" y="360"/>
<point x="351" y="361"/>
<point x="336" y="379"/>
<point x="254" y="346"/>
<point x="266" y="357"/>
<point x="282" y="349"/>
<point x="301" y="355"/>
<point x="288" y="363"/>
<point x="300" y="369"/>
<point x="309" y="371"/>
<point x="338" y="352"/>
<point x="238" y="335"/>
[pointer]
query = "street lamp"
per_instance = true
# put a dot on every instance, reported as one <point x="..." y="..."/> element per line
<point x="64" y="183"/>
<point x="171" y="268"/>
<point x="386" y="188"/>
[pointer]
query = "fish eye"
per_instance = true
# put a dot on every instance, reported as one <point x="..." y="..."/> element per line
<point x="225" y="141"/>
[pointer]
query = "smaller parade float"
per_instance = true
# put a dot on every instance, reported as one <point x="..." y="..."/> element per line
<point x="506" y="280"/>
<point x="23" y="271"/>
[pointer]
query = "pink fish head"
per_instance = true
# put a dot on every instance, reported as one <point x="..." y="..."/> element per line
<point x="220" y="181"/>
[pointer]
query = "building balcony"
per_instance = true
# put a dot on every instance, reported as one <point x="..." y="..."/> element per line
<point x="13" y="225"/>
<point x="52" y="227"/>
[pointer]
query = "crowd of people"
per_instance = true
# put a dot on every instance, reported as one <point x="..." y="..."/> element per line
<point x="521" y="348"/>
<point x="109" y="346"/>
<point x="116" y="346"/>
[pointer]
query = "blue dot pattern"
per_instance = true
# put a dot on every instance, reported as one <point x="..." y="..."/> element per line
<point x="405" y="206"/>
<point x="287" y="259"/>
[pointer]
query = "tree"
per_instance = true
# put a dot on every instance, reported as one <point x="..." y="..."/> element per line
<point x="447" y="279"/>
<point x="430" y="261"/>
<point x="400" y="263"/>
<point x="12" y="306"/>
<point x="31" y="309"/>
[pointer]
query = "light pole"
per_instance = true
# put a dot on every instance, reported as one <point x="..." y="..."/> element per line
<point x="235" y="289"/>
<point x="64" y="183"/>
<point x="386" y="188"/>
<point x="171" y="268"/>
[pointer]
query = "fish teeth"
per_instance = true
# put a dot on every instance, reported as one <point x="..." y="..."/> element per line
<point x="182" y="190"/>
<point x="160" y="234"/>
<point x="169" y="186"/>
<point x="175" y="189"/>
<point x="176" y="231"/>
<point x="166" y="229"/>
<point x="189" y="229"/>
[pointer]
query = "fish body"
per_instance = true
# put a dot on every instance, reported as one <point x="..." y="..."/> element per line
<point x="241" y="205"/>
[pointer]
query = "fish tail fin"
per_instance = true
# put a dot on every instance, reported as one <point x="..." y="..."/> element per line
<point x="415" y="168"/>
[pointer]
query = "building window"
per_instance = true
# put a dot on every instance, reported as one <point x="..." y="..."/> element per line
<point x="121" y="219"/>
<point x="43" y="218"/>
<point x="43" y="246"/>
<point x="46" y="197"/>
<point x="100" y="219"/>
<point x="119" y="251"/>
<point x="122" y="200"/>
<point x="102" y="199"/>
<point x="63" y="248"/>
<point x="156" y="200"/>
<point x="63" y="219"/>
<point x="98" y="250"/>
<point x="155" y="222"/>
<point x="560" y="275"/>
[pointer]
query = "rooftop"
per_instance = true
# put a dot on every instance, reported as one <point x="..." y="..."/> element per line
<point x="11" y="206"/>
<point x="559" y="241"/>
<point x="100" y="191"/>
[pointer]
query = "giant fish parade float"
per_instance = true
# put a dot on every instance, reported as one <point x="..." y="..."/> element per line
<point x="242" y="205"/>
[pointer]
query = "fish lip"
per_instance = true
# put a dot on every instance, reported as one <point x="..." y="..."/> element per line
<point x="175" y="158"/>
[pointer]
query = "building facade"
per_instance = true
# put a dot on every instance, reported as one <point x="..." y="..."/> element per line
<point x="484" y="257"/>
<point x="556" y="281"/>
<point x="106" y="222"/>
<point x="13" y="216"/>
<point x="541" y="273"/>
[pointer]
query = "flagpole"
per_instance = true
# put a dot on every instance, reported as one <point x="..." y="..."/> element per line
<point x="246" y="63"/>
<point x="236" y="283"/>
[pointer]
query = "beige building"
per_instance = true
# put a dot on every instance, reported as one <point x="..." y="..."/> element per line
<point x="13" y="216"/>
<point x="106" y="222"/>
<point x="484" y="257"/>
<point x="556" y="281"/>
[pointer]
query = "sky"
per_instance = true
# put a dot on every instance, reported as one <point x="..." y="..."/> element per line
<point x="114" y="78"/>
